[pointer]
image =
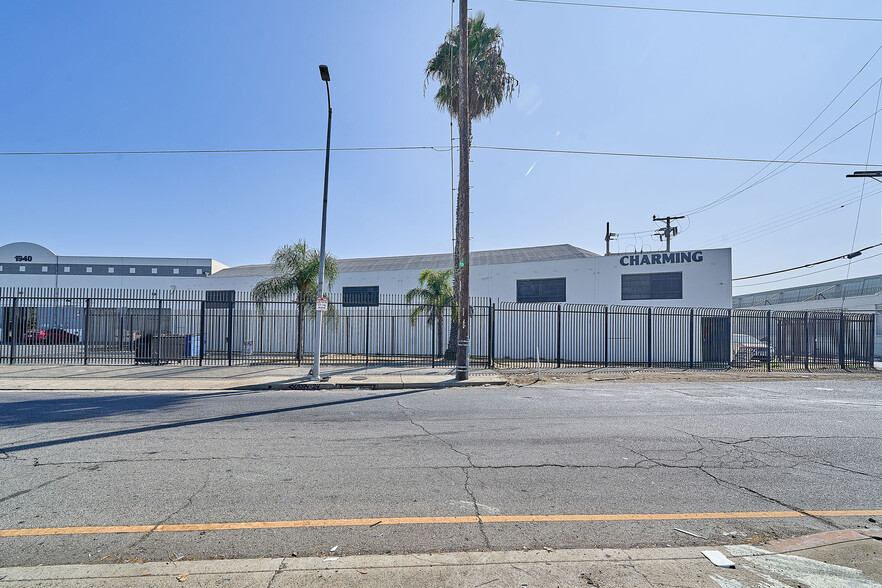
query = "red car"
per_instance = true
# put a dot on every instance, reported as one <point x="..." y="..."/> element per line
<point x="50" y="336"/>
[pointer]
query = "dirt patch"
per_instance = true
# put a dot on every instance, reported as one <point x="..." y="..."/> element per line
<point x="613" y="376"/>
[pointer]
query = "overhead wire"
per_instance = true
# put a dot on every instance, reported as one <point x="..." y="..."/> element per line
<point x="439" y="148"/>
<point x="779" y="222"/>
<point x="790" y="269"/>
<point x="788" y="279"/>
<point x="741" y="187"/>
<point x="864" y="182"/>
<point x="709" y="12"/>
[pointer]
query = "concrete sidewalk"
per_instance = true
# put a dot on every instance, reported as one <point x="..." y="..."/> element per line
<point x="840" y="558"/>
<point x="258" y="377"/>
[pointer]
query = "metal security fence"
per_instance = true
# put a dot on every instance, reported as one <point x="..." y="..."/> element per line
<point x="573" y="335"/>
<point x="107" y="327"/>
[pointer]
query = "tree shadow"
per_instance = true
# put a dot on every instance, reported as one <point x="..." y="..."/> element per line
<point x="78" y="408"/>
<point x="166" y="400"/>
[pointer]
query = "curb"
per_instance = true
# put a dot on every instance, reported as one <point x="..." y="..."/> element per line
<point x="368" y="385"/>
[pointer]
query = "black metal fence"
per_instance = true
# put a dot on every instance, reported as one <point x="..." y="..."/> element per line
<point x="101" y="327"/>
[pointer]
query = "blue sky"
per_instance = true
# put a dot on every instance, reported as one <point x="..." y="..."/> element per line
<point x="109" y="75"/>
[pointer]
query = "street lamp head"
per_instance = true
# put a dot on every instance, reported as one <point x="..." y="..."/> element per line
<point x="326" y="75"/>
<point x="865" y="174"/>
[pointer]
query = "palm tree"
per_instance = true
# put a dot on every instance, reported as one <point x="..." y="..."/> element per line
<point x="296" y="269"/>
<point x="433" y="294"/>
<point x="489" y="82"/>
<point x="488" y="85"/>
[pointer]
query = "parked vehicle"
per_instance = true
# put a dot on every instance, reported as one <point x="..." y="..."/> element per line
<point x="47" y="336"/>
<point x="747" y="347"/>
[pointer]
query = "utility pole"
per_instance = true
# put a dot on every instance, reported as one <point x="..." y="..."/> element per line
<point x="461" y="260"/>
<point x="667" y="232"/>
<point x="609" y="237"/>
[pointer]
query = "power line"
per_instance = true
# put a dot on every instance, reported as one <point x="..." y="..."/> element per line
<point x="800" y="215"/>
<point x="440" y="148"/>
<point x="668" y="156"/>
<point x="844" y="256"/>
<point x="198" y="151"/>
<point x="714" y="12"/>
<point x="783" y="151"/>
<point x="828" y="269"/>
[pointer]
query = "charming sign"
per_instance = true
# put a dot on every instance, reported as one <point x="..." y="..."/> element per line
<point x="661" y="258"/>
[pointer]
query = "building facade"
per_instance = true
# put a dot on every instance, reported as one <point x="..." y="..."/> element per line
<point x="853" y="295"/>
<point x="553" y="273"/>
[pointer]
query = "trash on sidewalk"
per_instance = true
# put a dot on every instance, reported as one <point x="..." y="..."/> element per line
<point x="334" y="548"/>
<point x="361" y="571"/>
<point x="718" y="559"/>
<point x="331" y="559"/>
<point x="548" y="549"/>
<point x="684" y="531"/>
<point x="183" y="577"/>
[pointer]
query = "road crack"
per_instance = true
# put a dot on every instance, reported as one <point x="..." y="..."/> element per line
<point x="465" y="469"/>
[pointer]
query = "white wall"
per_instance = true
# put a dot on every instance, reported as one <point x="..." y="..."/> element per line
<point x="594" y="280"/>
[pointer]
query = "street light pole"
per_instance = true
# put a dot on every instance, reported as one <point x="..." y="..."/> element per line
<point x="317" y="350"/>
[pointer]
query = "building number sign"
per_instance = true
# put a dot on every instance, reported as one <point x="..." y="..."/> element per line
<point x="23" y="258"/>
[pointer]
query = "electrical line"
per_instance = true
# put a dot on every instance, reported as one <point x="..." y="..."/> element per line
<point x="828" y="269"/>
<point x="864" y="183"/>
<point x="784" y="165"/>
<point x="667" y="156"/>
<point x="713" y="12"/>
<point x="844" y="256"/>
<point x="444" y="149"/>
<point x="782" y="221"/>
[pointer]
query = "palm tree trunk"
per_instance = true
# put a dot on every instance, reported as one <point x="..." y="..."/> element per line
<point x="299" y="328"/>
<point x="462" y="204"/>
<point x="438" y="324"/>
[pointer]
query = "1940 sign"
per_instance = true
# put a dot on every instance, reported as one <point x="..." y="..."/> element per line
<point x="23" y="258"/>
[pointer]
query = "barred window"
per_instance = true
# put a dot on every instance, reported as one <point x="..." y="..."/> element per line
<point x="659" y="286"/>
<point x="543" y="290"/>
<point x="361" y="296"/>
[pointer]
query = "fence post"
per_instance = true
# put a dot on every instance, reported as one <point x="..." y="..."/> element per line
<point x="15" y="332"/>
<point x="86" y="331"/>
<point x="769" y="338"/>
<point x="201" y="332"/>
<point x="392" y="321"/>
<point x="158" y="337"/>
<point x="558" y="334"/>
<point x="367" y="335"/>
<point x="490" y="329"/>
<point x="841" y="340"/>
<point x="434" y="335"/>
<point x="805" y="321"/>
<point x="691" y="338"/>
<point x="230" y="333"/>
<point x="606" y="336"/>
<point x="649" y="337"/>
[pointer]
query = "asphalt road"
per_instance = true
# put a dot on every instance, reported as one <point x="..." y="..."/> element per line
<point x="138" y="460"/>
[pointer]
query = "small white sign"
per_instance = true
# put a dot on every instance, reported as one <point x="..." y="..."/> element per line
<point x="321" y="304"/>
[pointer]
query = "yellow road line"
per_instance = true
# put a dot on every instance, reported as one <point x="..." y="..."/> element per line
<point x="584" y="518"/>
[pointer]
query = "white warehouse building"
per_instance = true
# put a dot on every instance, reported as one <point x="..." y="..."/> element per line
<point x="552" y="273"/>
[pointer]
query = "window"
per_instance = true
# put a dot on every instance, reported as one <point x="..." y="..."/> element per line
<point x="110" y="270"/>
<point x="21" y="268"/>
<point x="131" y="270"/>
<point x="176" y="271"/>
<point x="544" y="290"/>
<point x="361" y="296"/>
<point x="198" y="271"/>
<point x="88" y="270"/>
<point x="153" y="270"/>
<point x="660" y="286"/>
<point x="219" y="298"/>
<point x="45" y="269"/>
<point x="67" y="269"/>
